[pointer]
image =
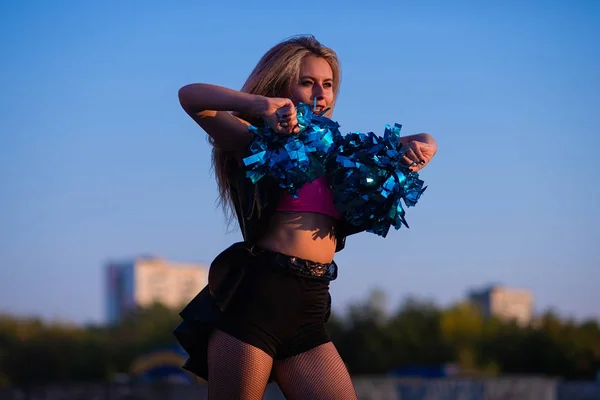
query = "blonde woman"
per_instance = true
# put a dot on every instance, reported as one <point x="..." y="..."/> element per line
<point x="262" y="316"/>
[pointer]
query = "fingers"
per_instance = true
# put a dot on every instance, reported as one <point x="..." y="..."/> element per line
<point x="286" y="111"/>
<point x="411" y="163"/>
<point x="287" y="119"/>
<point x="413" y="155"/>
<point x="410" y="157"/>
<point x="419" y="154"/>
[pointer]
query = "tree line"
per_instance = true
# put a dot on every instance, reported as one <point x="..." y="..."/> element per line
<point x="370" y="340"/>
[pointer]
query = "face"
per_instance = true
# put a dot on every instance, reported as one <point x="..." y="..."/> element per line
<point x="315" y="82"/>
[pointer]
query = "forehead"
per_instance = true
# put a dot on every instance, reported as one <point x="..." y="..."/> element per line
<point x="316" y="67"/>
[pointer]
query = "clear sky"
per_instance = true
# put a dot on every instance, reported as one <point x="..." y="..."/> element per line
<point x="98" y="161"/>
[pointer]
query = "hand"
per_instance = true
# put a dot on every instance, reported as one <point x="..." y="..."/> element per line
<point x="280" y="114"/>
<point x="418" y="154"/>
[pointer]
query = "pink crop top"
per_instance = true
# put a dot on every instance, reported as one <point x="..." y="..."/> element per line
<point x="312" y="197"/>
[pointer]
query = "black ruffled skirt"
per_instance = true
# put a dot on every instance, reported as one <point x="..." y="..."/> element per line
<point x="202" y="315"/>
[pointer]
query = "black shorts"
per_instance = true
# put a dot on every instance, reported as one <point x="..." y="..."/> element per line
<point x="279" y="312"/>
<point x="276" y="303"/>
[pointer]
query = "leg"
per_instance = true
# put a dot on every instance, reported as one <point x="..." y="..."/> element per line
<point x="317" y="374"/>
<point x="236" y="370"/>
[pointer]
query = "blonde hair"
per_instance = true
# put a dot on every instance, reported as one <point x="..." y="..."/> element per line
<point x="274" y="75"/>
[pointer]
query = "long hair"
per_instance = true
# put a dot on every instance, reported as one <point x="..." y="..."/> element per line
<point x="273" y="76"/>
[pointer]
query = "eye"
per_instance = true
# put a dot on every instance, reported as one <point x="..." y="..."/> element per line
<point x="306" y="83"/>
<point x="328" y="85"/>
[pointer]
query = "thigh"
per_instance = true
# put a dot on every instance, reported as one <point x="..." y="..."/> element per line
<point x="318" y="374"/>
<point x="236" y="370"/>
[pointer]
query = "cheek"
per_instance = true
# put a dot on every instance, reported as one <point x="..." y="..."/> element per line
<point x="301" y="94"/>
<point x="330" y="97"/>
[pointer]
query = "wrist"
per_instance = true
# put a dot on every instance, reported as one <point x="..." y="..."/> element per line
<point x="259" y="106"/>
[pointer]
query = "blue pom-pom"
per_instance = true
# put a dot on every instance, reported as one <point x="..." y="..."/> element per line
<point x="370" y="181"/>
<point x="292" y="159"/>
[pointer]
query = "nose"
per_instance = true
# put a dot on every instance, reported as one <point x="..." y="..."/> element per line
<point x="318" y="92"/>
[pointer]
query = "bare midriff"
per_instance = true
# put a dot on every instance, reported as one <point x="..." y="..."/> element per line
<point x="301" y="234"/>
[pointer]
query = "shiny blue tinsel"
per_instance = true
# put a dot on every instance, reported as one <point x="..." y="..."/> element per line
<point x="292" y="159"/>
<point x="365" y="171"/>
<point x="369" y="180"/>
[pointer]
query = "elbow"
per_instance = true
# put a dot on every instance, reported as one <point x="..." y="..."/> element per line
<point x="189" y="99"/>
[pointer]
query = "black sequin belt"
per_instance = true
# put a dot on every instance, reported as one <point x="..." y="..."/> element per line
<point x="298" y="266"/>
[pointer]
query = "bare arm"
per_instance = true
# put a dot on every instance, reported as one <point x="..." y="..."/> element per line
<point x="210" y="106"/>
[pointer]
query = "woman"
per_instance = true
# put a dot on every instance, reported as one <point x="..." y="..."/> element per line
<point x="270" y="294"/>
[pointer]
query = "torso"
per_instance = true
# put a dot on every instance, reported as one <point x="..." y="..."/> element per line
<point x="307" y="235"/>
<point x="301" y="234"/>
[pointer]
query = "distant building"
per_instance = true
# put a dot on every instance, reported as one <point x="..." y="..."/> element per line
<point x="146" y="280"/>
<point x="505" y="303"/>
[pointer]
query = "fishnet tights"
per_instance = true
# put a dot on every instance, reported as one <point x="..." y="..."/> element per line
<point x="318" y="374"/>
<point x="236" y="370"/>
<point x="239" y="371"/>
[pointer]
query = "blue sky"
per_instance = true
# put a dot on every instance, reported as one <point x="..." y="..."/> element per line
<point x="98" y="161"/>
